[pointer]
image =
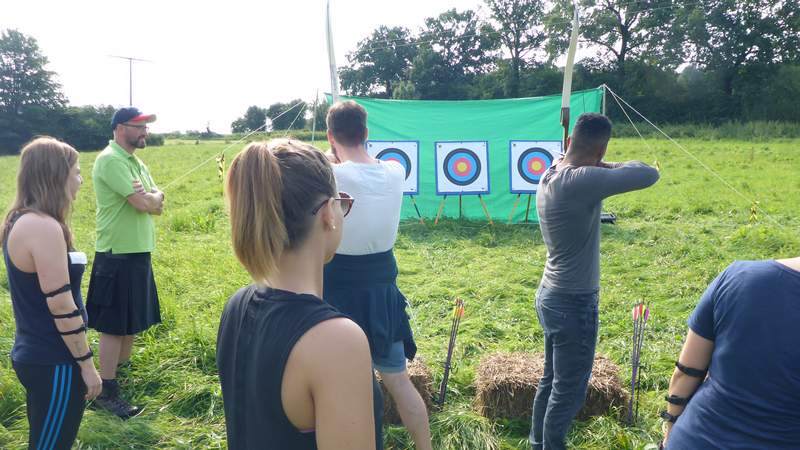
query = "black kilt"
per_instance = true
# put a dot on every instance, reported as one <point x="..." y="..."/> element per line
<point x="122" y="298"/>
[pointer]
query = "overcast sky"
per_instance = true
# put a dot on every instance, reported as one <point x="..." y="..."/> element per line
<point x="211" y="60"/>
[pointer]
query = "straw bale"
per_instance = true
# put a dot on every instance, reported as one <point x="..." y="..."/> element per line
<point x="421" y="378"/>
<point x="506" y="384"/>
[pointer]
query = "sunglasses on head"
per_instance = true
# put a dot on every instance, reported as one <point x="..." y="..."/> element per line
<point x="345" y="200"/>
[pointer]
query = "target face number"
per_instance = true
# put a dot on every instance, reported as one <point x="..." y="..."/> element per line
<point x="405" y="153"/>
<point x="462" y="168"/>
<point x="529" y="160"/>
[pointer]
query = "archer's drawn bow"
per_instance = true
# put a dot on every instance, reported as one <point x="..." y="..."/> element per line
<point x="567" y="91"/>
<point x="331" y="57"/>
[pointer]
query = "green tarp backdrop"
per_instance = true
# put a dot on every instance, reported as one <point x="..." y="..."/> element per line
<point x="477" y="132"/>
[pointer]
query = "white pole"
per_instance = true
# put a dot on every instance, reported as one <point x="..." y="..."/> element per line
<point x="314" y="117"/>
<point x="604" y="99"/>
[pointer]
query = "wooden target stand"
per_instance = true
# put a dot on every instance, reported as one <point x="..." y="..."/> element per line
<point x="460" y="215"/>
<point x="514" y="208"/>
<point x="416" y="208"/>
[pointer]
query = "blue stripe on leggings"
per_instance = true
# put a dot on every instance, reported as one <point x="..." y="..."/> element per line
<point x="49" y="436"/>
<point x="46" y="423"/>
<point x="67" y="391"/>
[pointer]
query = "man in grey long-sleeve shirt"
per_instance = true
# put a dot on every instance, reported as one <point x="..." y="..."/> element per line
<point x="569" y="201"/>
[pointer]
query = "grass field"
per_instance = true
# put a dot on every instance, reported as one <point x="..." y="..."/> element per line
<point x="670" y="242"/>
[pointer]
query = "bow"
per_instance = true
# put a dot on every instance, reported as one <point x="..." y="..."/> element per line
<point x="567" y="91"/>
<point x="331" y="57"/>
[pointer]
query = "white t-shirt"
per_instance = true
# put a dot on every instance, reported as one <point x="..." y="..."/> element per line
<point x="371" y="226"/>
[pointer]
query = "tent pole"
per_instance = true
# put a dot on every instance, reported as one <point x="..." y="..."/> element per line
<point x="314" y="118"/>
<point x="603" y="104"/>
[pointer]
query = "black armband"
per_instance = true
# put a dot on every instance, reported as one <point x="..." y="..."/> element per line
<point x="677" y="401"/>
<point x="84" y="357"/>
<point x="668" y="417"/>
<point x="65" y="288"/>
<point x="76" y="313"/>
<point x="697" y="373"/>
<point x="80" y="329"/>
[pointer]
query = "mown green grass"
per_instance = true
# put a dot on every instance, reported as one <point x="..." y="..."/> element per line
<point x="670" y="242"/>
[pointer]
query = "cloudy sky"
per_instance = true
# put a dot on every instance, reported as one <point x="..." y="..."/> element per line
<point x="210" y="59"/>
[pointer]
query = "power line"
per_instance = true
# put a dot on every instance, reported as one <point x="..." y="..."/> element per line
<point x="130" y="73"/>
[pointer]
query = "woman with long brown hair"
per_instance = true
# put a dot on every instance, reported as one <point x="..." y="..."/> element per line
<point x="295" y="372"/>
<point x="51" y="355"/>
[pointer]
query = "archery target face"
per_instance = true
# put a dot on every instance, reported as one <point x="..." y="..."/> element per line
<point x="405" y="153"/>
<point x="528" y="162"/>
<point x="462" y="168"/>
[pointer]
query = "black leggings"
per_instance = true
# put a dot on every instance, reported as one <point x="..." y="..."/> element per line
<point x="55" y="396"/>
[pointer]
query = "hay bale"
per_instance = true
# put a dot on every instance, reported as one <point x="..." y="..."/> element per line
<point x="605" y="391"/>
<point x="506" y="385"/>
<point x="421" y="378"/>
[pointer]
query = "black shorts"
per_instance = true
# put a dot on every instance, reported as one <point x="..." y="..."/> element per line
<point x="55" y="397"/>
<point x="122" y="298"/>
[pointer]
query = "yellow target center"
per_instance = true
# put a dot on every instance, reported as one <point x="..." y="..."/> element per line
<point x="461" y="167"/>
<point x="536" y="166"/>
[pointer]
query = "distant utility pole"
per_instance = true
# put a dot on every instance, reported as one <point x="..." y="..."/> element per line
<point x="130" y="74"/>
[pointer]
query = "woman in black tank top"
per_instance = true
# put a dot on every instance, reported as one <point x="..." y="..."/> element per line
<point x="295" y="373"/>
<point x="51" y="355"/>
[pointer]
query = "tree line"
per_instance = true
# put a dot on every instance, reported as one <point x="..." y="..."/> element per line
<point x="31" y="102"/>
<point x="677" y="61"/>
<point x="707" y="61"/>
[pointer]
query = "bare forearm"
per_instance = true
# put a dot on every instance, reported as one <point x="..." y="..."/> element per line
<point x="683" y="386"/>
<point x="76" y="342"/>
<point x="147" y="202"/>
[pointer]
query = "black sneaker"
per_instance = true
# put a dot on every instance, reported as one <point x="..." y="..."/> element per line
<point x="110" y="400"/>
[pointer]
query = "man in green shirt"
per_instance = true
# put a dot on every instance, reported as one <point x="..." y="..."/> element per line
<point x="122" y="299"/>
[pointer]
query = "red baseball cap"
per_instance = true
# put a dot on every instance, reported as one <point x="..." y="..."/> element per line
<point x="131" y="114"/>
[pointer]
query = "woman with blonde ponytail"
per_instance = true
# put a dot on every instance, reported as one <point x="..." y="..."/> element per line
<point x="51" y="355"/>
<point x="295" y="372"/>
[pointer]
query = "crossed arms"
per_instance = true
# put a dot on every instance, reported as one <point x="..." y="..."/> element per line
<point x="147" y="202"/>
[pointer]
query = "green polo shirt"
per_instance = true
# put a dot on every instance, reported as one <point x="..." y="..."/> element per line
<point x="120" y="227"/>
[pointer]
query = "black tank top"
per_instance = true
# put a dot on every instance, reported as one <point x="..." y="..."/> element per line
<point x="258" y="330"/>
<point x="37" y="340"/>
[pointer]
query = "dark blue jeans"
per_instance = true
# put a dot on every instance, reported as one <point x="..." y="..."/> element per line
<point x="570" y="325"/>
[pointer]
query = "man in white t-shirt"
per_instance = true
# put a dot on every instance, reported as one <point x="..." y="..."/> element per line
<point x="360" y="281"/>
